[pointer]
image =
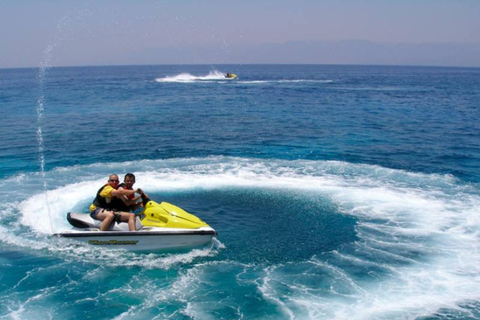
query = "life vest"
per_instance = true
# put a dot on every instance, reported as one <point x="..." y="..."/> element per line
<point x="117" y="203"/>
<point x="101" y="202"/>
<point x="124" y="186"/>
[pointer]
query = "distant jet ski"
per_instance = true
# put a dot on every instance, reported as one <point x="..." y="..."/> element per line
<point x="161" y="227"/>
<point x="230" y="76"/>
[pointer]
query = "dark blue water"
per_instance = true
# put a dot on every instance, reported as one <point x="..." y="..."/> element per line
<point x="338" y="192"/>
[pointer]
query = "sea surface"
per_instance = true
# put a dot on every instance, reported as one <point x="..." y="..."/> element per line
<point x="338" y="192"/>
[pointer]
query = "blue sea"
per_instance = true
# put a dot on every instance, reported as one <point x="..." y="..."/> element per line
<point x="338" y="192"/>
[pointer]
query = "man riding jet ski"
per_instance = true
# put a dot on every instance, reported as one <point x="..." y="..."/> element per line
<point x="108" y="204"/>
<point x="160" y="226"/>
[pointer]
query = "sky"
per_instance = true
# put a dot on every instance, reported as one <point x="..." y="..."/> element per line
<point x="113" y="32"/>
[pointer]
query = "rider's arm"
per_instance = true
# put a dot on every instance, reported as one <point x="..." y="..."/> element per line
<point x="121" y="194"/>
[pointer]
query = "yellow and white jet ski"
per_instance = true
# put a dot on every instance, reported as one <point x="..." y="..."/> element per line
<point x="160" y="227"/>
<point x="231" y="76"/>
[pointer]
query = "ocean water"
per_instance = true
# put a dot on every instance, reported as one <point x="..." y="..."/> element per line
<point x="338" y="192"/>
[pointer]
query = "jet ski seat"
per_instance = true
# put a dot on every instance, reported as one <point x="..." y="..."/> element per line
<point x="84" y="221"/>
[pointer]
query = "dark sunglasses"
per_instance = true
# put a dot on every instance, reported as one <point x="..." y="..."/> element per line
<point x="113" y="180"/>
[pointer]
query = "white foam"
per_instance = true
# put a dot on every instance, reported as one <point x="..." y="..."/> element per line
<point x="35" y="211"/>
<point x="283" y="81"/>
<point x="220" y="77"/>
<point x="422" y="230"/>
<point x="183" y="292"/>
<point x="187" y="77"/>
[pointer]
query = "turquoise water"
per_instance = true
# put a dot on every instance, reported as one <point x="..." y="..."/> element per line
<point x="338" y="192"/>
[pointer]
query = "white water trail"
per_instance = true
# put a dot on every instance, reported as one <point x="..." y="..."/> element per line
<point x="187" y="77"/>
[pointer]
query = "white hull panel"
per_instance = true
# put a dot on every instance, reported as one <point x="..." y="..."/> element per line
<point x="152" y="240"/>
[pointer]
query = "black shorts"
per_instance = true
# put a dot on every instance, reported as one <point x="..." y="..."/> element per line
<point x="95" y="212"/>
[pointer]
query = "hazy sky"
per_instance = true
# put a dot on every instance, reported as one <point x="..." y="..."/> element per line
<point x="63" y="32"/>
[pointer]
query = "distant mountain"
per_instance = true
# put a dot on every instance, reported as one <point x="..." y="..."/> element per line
<point x="317" y="52"/>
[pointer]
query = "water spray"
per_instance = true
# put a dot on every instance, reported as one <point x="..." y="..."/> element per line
<point x="44" y="65"/>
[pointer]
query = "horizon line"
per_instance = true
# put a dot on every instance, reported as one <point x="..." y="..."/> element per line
<point x="245" y="64"/>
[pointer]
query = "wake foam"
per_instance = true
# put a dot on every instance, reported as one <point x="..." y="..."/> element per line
<point x="187" y="77"/>
<point x="370" y="192"/>
<point x="418" y="234"/>
<point x="284" y="81"/>
<point x="219" y="77"/>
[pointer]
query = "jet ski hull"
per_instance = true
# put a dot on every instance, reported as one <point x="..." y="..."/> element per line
<point x="153" y="240"/>
<point x="161" y="227"/>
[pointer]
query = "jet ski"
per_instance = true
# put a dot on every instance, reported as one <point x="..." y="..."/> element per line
<point x="160" y="227"/>
<point x="230" y="76"/>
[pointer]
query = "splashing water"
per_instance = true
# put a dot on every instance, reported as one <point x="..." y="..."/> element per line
<point x="44" y="65"/>
<point x="187" y="77"/>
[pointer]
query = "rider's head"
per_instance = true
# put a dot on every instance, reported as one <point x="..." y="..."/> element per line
<point x="129" y="180"/>
<point x="113" y="180"/>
